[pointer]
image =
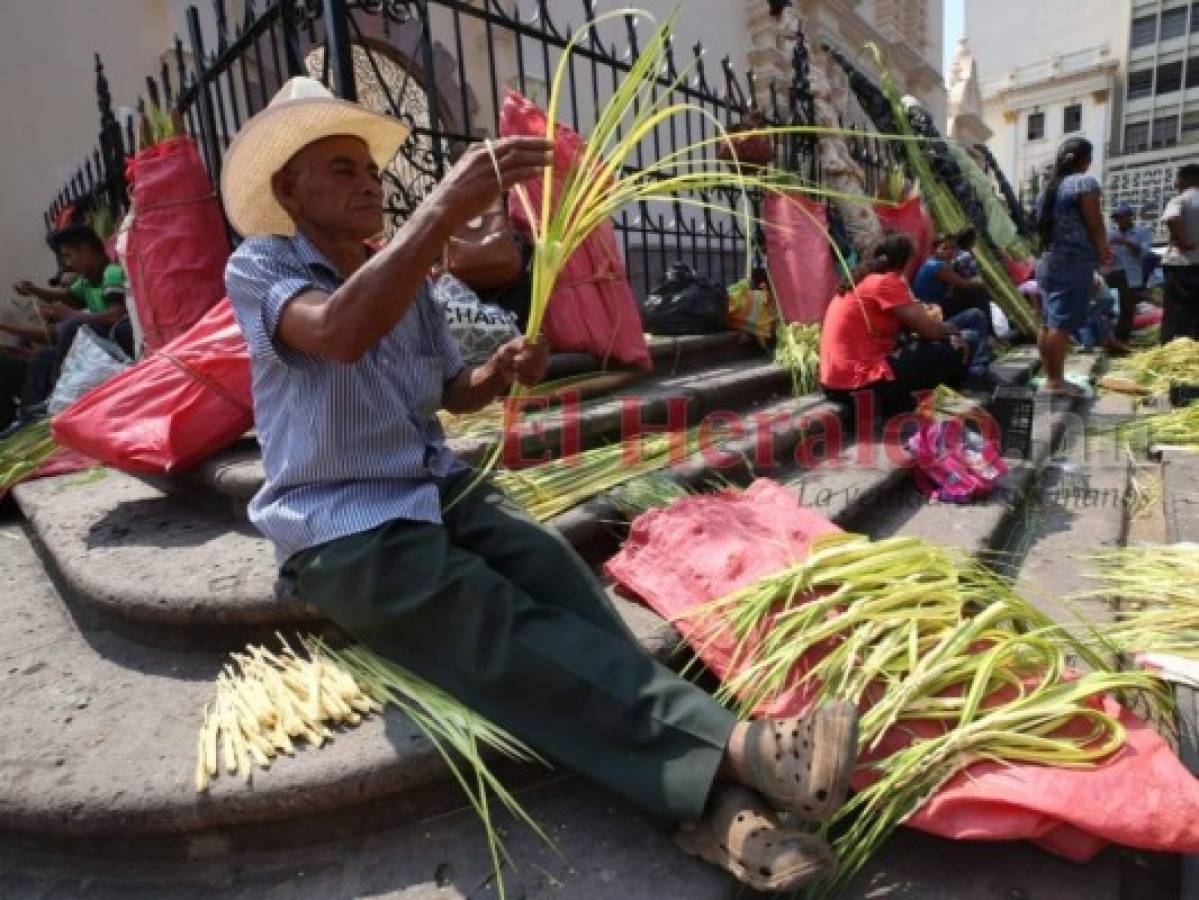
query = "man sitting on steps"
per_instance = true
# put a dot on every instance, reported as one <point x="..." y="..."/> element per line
<point x="351" y="361"/>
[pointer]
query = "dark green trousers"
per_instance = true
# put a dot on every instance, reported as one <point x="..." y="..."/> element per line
<point x="501" y="613"/>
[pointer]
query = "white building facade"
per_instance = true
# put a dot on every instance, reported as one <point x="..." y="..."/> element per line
<point x="1048" y="71"/>
<point x="1159" y="128"/>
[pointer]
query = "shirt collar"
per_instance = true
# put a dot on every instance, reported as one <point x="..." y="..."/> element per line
<point x="312" y="257"/>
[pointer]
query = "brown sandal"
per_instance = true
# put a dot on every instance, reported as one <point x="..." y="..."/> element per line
<point x="743" y="836"/>
<point x="802" y="765"/>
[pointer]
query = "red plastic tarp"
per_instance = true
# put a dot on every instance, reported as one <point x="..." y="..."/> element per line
<point x="912" y="219"/>
<point x="799" y="257"/>
<point x="177" y="245"/>
<point x="704" y="547"/>
<point x="592" y="308"/>
<point x="172" y="410"/>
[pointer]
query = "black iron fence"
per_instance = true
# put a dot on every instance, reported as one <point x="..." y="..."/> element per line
<point x="444" y="67"/>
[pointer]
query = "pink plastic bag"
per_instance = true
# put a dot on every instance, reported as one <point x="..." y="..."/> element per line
<point x="798" y="254"/>
<point x="910" y="218"/>
<point x="592" y="308"/>
<point x="954" y="462"/>
<point x="175" y="408"/>
<point x="705" y="547"/>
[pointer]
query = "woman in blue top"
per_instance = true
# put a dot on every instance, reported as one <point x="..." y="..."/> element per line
<point x="1074" y="245"/>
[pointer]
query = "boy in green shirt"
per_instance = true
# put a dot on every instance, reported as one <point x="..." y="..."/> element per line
<point x="95" y="299"/>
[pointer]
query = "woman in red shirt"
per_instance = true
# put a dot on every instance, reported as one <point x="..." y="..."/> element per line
<point x="858" y="344"/>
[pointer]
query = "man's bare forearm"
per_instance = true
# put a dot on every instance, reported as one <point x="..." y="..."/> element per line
<point x="52" y="295"/>
<point x="376" y="297"/>
<point x="474" y="388"/>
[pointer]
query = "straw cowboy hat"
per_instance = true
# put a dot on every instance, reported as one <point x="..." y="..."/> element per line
<point x="304" y="111"/>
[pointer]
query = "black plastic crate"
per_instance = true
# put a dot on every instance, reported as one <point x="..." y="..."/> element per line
<point x="1012" y="407"/>
<point x="1183" y="394"/>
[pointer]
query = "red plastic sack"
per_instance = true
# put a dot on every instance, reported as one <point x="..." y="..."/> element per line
<point x="799" y="257"/>
<point x="177" y="246"/>
<point x="910" y="218"/>
<point x="172" y="410"/>
<point x="1147" y="319"/>
<point x="706" y="546"/>
<point x="592" y="308"/>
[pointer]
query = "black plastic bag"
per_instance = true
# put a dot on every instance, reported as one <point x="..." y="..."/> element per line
<point x="685" y="304"/>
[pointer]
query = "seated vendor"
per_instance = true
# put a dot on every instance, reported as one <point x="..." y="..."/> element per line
<point x="950" y="277"/>
<point x="397" y="541"/>
<point x="94" y="299"/>
<point x="863" y="346"/>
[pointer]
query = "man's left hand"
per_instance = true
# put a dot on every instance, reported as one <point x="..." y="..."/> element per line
<point x="524" y="361"/>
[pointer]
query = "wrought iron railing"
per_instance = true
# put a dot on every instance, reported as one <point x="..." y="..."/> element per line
<point x="444" y="66"/>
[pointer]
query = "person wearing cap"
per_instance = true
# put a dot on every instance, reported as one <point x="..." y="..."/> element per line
<point x="399" y="543"/>
<point x="1126" y="276"/>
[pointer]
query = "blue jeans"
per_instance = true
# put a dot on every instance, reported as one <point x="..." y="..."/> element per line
<point x="975" y="329"/>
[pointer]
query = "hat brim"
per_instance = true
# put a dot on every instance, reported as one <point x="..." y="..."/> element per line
<point x="278" y="133"/>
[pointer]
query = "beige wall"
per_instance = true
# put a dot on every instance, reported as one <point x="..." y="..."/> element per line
<point x="48" y="99"/>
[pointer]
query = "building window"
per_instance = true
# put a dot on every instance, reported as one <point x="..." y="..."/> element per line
<point x="1169" y="77"/>
<point x="1174" y="23"/>
<point x="1144" y="31"/>
<point x="1165" y="131"/>
<point x="1190" y="127"/>
<point x="1194" y="17"/>
<point x="1140" y="84"/>
<point x="1136" y="137"/>
<point x="1072" y="119"/>
<point x="1193" y="72"/>
<point x="1036" y="126"/>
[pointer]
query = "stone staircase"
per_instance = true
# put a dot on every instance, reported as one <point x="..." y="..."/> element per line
<point x="123" y="595"/>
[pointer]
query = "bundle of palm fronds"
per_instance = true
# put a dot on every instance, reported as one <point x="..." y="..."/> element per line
<point x="102" y="220"/>
<point x="797" y="349"/>
<point x="265" y="701"/>
<point x="917" y="633"/>
<point x="1157" y="589"/>
<point x="24" y="452"/>
<point x="550" y="489"/>
<point x="1177" y="427"/>
<point x="654" y="490"/>
<point x="158" y="124"/>
<point x="1155" y="370"/>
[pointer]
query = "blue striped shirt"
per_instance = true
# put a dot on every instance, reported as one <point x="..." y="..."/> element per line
<point x="346" y="447"/>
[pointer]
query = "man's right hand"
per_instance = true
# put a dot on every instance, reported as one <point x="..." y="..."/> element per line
<point x="480" y="176"/>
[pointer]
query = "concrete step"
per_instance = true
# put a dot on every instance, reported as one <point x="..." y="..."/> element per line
<point x="179" y="574"/>
<point x="608" y="849"/>
<point x="1180" y="498"/>
<point x="988" y="525"/>
<point x="216" y="587"/>
<point x="229" y="479"/>
<point x="670" y="355"/>
<point x="100" y="736"/>
<point x="1079" y="506"/>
